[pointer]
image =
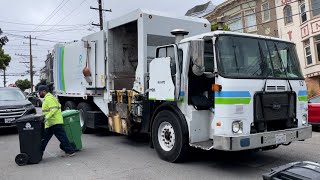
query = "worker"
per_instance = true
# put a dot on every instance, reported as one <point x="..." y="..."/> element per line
<point x="54" y="121"/>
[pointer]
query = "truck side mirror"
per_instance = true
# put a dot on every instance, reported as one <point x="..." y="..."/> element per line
<point x="197" y="57"/>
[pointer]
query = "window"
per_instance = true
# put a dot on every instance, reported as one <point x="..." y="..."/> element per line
<point x="236" y="23"/>
<point x="287" y="13"/>
<point x="307" y="51"/>
<point x="317" y="45"/>
<point x="245" y="57"/>
<point x="315" y="6"/>
<point x="265" y="12"/>
<point x="303" y="14"/>
<point x="315" y="100"/>
<point x="168" y="51"/>
<point x="250" y="20"/>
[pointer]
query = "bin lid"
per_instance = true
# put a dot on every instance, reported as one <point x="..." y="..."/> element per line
<point x="70" y="112"/>
<point x="30" y="117"/>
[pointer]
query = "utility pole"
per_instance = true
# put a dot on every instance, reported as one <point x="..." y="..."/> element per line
<point x="4" y="78"/>
<point x="30" y="61"/>
<point x="100" y="14"/>
<point x="31" y="66"/>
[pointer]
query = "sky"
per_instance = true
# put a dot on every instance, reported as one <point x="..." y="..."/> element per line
<point x="63" y="21"/>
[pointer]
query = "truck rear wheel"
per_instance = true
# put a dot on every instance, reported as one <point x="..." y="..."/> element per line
<point x="70" y="105"/>
<point x="169" y="137"/>
<point x="84" y="108"/>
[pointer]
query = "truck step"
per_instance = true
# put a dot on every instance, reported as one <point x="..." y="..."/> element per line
<point x="205" y="145"/>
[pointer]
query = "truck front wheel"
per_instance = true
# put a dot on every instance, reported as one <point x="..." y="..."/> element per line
<point x="84" y="108"/>
<point x="169" y="137"/>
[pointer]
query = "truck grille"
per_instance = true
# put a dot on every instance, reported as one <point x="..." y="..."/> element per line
<point x="11" y="112"/>
<point x="274" y="111"/>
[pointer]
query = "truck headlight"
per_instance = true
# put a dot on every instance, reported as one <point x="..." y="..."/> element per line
<point x="237" y="127"/>
<point x="304" y="120"/>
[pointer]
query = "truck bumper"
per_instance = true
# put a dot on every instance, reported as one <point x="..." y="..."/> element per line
<point x="259" y="140"/>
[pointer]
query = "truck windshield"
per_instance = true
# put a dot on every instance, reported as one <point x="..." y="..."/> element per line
<point x="246" y="57"/>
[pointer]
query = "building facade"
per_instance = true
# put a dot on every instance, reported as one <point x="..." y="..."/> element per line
<point x="299" y="22"/>
<point x="47" y="71"/>
<point x="248" y="16"/>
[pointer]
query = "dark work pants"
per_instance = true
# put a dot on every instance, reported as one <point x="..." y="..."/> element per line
<point x="59" y="132"/>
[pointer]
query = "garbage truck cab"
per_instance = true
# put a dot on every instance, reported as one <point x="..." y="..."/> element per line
<point x="232" y="91"/>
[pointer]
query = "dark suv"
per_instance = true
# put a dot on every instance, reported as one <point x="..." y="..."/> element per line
<point x="13" y="105"/>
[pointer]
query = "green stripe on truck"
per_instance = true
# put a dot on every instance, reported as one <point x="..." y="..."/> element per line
<point x="232" y="100"/>
<point x="303" y="98"/>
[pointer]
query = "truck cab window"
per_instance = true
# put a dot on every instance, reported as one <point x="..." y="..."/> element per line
<point x="208" y="56"/>
<point x="200" y="93"/>
<point x="168" y="52"/>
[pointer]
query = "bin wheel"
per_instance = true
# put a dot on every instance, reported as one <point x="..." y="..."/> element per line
<point x="22" y="159"/>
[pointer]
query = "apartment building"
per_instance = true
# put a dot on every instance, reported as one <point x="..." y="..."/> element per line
<point x="299" y="22"/>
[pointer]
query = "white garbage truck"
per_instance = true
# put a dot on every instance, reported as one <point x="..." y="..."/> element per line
<point x="184" y="86"/>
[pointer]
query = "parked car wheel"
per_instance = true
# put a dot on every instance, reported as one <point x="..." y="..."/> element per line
<point x="84" y="108"/>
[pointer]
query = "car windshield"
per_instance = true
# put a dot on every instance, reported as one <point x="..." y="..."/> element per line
<point x="247" y="57"/>
<point x="315" y="100"/>
<point x="11" y="95"/>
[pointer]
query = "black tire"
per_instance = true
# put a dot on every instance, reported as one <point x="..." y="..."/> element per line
<point x="316" y="128"/>
<point x="180" y="149"/>
<point x="22" y="159"/>
<point x="70" y="105"/>
<point x="84" y="108"/>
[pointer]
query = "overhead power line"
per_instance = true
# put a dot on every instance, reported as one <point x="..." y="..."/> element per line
<point x="54" y="12"/>
<point x="260" y="21"/>
<point x="66" y="16"/>
<point x="30" y="24"/>
<point x="236" y="18"/>
<point x="34" y="31"/>
<point x="39" y="39"/>
<point x="276" y="19"/>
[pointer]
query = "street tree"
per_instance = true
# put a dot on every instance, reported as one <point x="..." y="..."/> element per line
<point x="215" y="27"/>
<point x="4" y="58"/>
<point x="42" y="82"/>
<point x="23" y="84"/>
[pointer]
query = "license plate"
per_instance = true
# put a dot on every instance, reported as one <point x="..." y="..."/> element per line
<point x="9" y="120"/>
<point x="281" y="138"/>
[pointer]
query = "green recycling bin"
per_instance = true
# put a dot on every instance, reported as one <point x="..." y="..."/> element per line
<point x="71" y="119"/>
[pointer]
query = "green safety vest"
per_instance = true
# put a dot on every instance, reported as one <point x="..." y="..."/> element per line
<point x="51" y="108"/>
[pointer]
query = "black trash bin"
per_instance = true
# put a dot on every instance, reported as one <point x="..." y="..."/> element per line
<point x="30" y="130"/>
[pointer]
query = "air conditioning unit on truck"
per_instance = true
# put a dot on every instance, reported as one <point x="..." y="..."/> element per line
<point x="211" y="90"/>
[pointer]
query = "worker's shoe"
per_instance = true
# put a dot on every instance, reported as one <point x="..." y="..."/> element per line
<point x="69" y="154"/>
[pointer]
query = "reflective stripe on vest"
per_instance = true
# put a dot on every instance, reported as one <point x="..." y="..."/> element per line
<point x="50" y="108"/>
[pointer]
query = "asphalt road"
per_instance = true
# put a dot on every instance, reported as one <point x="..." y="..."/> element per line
<point x="117" y="157"/>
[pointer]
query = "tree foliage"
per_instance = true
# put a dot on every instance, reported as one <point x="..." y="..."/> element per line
<point x="23" y="84"/>
<point x="4" y="58"/>
<point x="42" y="82"/>
<point x="215" y="26"/>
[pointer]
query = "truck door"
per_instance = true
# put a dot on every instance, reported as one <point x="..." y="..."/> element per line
<point x="171" y="51"/>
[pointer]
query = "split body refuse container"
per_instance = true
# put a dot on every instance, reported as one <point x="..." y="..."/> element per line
<point x="30" y="130"/>
<point x="71" y="119"/>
